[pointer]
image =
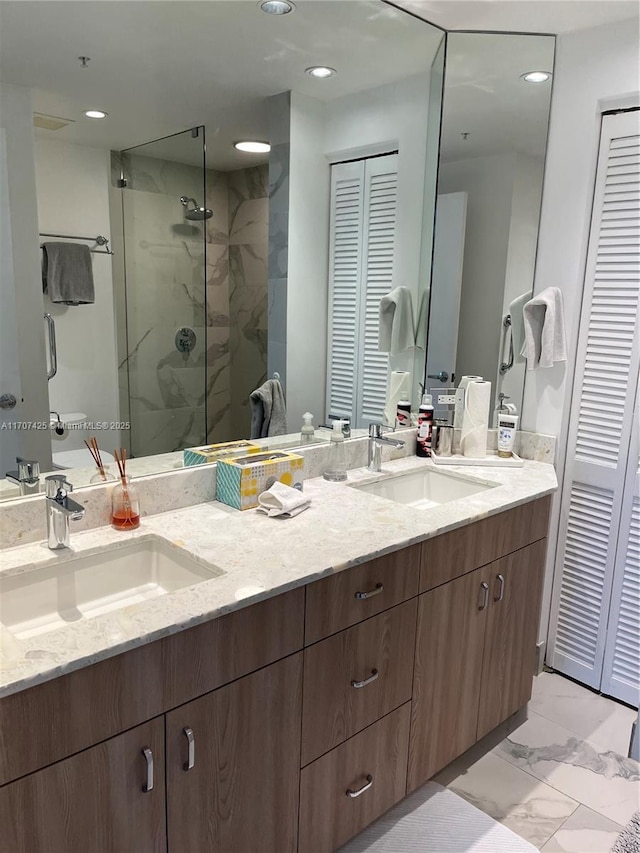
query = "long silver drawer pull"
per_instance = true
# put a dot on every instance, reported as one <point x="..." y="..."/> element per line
<point x="484" y="593"/>
<point x="372" y="677"/>
<point x="500" y="595"/>
<point x="148" y="757"/>
<point x="191" y="754"/>
<point x="375" y="591"/>
<point x="359" y="791"/>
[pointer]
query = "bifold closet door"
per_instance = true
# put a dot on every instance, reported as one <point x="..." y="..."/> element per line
<point x="361" y="253"/>
<point x="594" y="523"/>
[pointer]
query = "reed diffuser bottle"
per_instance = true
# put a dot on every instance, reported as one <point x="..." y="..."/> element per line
<point x="125" y="503"/>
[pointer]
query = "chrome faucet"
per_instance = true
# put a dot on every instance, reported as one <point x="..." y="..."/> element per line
<point x="376" y="440"/>
<point x="60" y="510"/>
<point x="27" y="477"/>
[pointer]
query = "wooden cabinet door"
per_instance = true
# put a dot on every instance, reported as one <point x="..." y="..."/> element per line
<point x="355" y="677"/>
<point x="93" y="802"/>
<point x="241" y="793"/>
<point x="448" y="671"/>
<point x="512" y="629"/>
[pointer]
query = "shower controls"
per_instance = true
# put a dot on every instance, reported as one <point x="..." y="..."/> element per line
<point x="185" y="339"/>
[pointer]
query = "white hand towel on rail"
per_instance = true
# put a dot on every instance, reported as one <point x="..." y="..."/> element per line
<point x="544" y="334"/>
<point x="397" y="332"/>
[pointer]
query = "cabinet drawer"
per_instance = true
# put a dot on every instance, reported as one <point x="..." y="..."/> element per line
<point x="355" y="677"/>
<point x="377" y="758"/>
<point x="353" y="595"/>
<point x="460" y="551"/>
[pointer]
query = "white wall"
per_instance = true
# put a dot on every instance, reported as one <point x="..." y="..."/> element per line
<point x="72" y="183"/>
<point x="309" y="190"/>
<point x="595" y="69"/>
<point x="16" y="118"/>
<point x="489" y="182"/>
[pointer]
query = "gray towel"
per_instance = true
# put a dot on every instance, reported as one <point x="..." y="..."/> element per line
<point x="268" y="410"/>
<point x="67" y="273"/>
<point x="629" y="839"/>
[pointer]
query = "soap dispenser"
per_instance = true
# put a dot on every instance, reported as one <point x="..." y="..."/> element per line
<point x="337" y="468"/>
<point x="307" y="433"/>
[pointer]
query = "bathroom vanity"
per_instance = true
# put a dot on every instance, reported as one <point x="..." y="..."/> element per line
<point x="291" y="723"/>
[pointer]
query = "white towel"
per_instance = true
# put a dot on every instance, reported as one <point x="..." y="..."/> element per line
<point x="544" y="335"/>
<point x="516" y="309"/>
<point x="397" y="332"/>
<point x="282" y="501"/>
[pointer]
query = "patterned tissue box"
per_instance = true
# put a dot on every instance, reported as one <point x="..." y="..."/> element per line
<point x="240" y="481"/>
<point x="215" y="452"/>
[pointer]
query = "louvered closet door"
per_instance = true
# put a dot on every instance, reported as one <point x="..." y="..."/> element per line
<point x="601" y="423"/>
<point x="345" y="273"/>
<point x="621" y="674"/>
<point x="361" y="249"/>
<point x="379" y="236"/>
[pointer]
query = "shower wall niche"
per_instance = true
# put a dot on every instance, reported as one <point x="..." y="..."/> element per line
<point x="191" y="294"/>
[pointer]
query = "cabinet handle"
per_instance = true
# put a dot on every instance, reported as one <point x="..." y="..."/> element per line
<point x="375" y="591"/>
<point x="191" y="754"/>
<point x="500" y="595"/>
<point x="484" y="595"/>
<point x="372" y="677"/>
<point x="350" y="793"/>
<point x="148" y="757"/>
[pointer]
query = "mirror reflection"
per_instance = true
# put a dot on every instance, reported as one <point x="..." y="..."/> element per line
<point x="224" y="266"/>
<point x="494" y="133"/>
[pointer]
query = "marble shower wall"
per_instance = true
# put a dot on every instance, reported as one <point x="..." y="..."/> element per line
<point x="248" y="286"/>
<point x="165" y="290"/>
<point x="174" y="399"/>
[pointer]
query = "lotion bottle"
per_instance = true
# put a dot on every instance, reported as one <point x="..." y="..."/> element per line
<point x="425" y="426"/>
<point x="307" y="433"/>
<point x="507" y="426"/>
<point x="337" y="468"/>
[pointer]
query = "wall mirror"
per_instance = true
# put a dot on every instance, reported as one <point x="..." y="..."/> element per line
<point x="229" y="266"/>
<point x="494" y="136"/>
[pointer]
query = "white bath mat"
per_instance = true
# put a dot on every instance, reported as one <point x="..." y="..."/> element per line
<point x="435" y="820"/>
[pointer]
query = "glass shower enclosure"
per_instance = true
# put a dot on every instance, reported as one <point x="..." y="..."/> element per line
<point x="161" y="292"/>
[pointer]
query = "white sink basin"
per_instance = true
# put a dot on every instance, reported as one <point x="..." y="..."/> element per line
<point x="425" y="488"/>
<point x="43" y="600"/>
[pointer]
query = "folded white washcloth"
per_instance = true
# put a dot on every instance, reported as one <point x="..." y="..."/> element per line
<point x="544" y="334"/>
<point x="282" y="501"/>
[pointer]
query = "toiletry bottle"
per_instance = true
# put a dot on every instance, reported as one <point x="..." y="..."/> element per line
<point x="425" y="426"/>
<point x="507" y="427"/>
<point x="307" y="432"/>
<point x="403" y="414"/>
<point x="337" y="467"/>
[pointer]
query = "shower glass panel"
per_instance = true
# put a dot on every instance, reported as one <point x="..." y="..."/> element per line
<point x="163" y="322"/>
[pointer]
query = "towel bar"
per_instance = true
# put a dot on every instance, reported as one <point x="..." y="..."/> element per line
<point x="507" y="365"/>
<point x="101" y="240"/>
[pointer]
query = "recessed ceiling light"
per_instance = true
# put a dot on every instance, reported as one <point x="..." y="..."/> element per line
<point x="536" y="76"/>
<point x="95" y="114"/>
<point x="277" y="7"/>
<point x="321" y="71"/>
<point x="252" y="146"/>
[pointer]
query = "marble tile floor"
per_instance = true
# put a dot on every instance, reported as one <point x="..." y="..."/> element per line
<point x="560" y="777"/>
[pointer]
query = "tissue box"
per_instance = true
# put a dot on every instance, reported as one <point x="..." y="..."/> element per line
<point x="215" y="452"/>
<point x="240" y="481"/>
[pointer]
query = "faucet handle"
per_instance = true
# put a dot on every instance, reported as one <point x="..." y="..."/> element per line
<point x="28" y="469"/>
<point x="57" y="486"/>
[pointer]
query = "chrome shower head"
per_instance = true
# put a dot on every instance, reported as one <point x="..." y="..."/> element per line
<point x="195" y="213"/>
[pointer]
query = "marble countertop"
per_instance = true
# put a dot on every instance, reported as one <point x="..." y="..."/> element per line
<point x="259" y="557"/>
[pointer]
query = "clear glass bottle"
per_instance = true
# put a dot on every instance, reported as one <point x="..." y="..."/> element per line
<point x="108" y="477"/>
<point x="125" y="506"/>
<point x="337" y="468"/>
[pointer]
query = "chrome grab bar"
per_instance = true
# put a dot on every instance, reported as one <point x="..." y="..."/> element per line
<point x="507" y="365"/>
<point x="53" y="353"/>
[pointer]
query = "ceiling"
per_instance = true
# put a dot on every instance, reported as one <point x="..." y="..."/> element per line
<point x="522" y="16"/>
<point x="161" y="67"/>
